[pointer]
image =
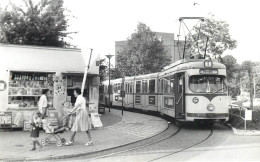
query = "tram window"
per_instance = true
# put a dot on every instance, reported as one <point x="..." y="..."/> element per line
<point x="138" y="87"/>
<point x="165" y="86"/>
<point x="115" y="88"/>
<point x="172" y="85"/>
<point x="161" y="86"/>
<point x="131" y="87"/>
<point x="180" y="85"/>
<point x="126" y="88"/>
<point x="208" y="84"/>
<point x="145" y="86"/>
<point x="118" y="87"/>
<point x="151" y="86"/>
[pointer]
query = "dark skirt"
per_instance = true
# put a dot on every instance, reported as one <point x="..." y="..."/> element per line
<point x="35" y="132"/>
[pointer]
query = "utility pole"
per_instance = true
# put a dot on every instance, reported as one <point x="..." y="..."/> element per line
<point x="109" y="86"/>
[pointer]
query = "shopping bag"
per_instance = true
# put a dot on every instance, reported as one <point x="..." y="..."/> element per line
<point x="95" y="120"/>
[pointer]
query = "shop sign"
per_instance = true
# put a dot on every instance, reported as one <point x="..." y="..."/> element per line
<point x="6" y="118"/>
<point x="3" y="85"/>
<point x="248" y="114"/>
<point x="95" y="120"/>
<point x="169" y="102"/>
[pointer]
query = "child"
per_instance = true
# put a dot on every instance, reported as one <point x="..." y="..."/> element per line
<point x="36" y="123"/>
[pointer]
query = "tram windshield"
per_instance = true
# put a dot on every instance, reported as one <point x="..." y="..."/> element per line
<point x="207" y="84"/>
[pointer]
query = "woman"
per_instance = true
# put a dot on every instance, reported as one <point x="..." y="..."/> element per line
<point x="81" y="123"/>
<point x="43" y="103"/>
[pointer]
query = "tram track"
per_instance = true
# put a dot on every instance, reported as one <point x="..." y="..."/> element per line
<point x="170" y="132"/>
<point x="186" y="148"/>
<point x="172" y="136"/>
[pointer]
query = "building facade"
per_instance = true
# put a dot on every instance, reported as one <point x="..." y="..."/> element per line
<point x="26" y="70"/>
<point x="171" y="46"/>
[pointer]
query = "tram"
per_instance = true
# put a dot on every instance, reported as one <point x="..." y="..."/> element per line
<point x="188" y="90"/>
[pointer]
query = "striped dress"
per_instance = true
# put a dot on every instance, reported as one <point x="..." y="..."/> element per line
<point x="82" y="121"/>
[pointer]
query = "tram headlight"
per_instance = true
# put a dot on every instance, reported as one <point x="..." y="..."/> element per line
<point x="195" y="100"/>
<point x="211" y="107"/>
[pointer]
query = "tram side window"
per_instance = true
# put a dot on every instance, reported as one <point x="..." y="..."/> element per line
<point x="105" y="89"/>
<point x="118" y="87"/>
<point x="151" y="86"/>
<point x="145" y="85"/>
<point x="138" y="86"/>
<point x="131" y="87"/>
<point x="161" y="86"/>
<point x="115" y="88"/>
<point x="126" y="87"/>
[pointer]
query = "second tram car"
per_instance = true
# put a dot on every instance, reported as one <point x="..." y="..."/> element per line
<point x="188" y="90"/>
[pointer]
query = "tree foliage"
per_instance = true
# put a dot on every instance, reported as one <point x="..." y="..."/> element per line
<point x="249" y="68"/>
<point x="231" y="65"/>
<point x="219" y="39"/>
<point x="233" y="74"/>
<point x="42" y="23"/>
<point x="144" y="53"/>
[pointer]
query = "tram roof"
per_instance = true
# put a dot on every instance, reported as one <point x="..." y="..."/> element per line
<point x="192" y="64"/>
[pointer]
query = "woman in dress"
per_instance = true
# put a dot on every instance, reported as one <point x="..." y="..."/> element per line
<point x="43" y="103"/>
<point x="82" y="121"/>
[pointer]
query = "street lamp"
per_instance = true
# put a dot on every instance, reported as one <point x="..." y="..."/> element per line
<point x="109" y="87"/>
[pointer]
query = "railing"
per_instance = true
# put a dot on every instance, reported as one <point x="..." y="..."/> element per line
<point x="234" y="106"/>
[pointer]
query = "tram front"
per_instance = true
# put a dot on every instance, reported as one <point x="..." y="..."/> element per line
<point x="206" y="97"/>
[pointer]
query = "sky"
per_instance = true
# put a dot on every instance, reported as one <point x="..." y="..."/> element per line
<point x="102" y="22"/>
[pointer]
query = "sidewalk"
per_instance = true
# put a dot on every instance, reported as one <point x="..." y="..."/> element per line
<point x="118" y="130"/>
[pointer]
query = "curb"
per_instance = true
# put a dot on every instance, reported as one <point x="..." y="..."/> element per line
<point x="240" y="132"/>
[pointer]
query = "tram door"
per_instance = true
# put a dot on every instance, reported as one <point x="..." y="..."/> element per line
<point x="179" y="91"/>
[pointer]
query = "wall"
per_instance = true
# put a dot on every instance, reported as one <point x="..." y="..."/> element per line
<point x="3" y="94"/>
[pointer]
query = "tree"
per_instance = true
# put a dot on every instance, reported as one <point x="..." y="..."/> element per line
<point x="42" y="23"/>
<point x="143" y="54"/>
<point x="249" y="68"/>
<point x="102" y="70"/>
<point x="219" y="39"/>
<point x="231" y="65"/>
<point x="233" y="74"/>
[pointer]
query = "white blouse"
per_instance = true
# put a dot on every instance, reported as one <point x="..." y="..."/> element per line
<point x="42" y="103"/>
<point x="80" y="103"/>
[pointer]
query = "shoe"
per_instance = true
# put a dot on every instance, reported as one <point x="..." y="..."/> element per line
<point x="33" y="149"/>
<point x="68" y="143"/>
<point x="89" y="143"/>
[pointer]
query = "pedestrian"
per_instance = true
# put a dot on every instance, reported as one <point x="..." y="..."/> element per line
<point x="82" y="121"/>
<point x="43" y="103"/>
<point x="35" y="129"/>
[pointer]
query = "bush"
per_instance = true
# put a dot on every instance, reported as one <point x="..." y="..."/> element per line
<point x="238" y="122"/>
